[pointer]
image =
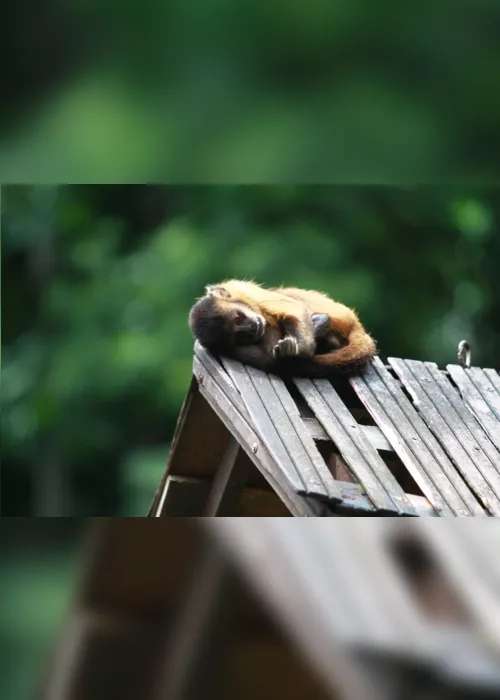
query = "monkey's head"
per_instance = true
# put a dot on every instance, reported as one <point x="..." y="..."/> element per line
<point x="219" y="321"/>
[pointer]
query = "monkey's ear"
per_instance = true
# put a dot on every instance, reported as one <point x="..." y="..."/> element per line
<point x="215" y="290"/>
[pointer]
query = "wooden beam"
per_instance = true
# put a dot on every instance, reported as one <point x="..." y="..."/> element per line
<point x="197" y="646"/>
<point x="187" y="497"/>
<point x="228" y="483"/>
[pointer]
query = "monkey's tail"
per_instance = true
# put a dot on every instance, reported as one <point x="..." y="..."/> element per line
<point x="351" y="359"/>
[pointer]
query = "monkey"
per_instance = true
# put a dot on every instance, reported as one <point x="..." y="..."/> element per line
<point x="285" y="330"/>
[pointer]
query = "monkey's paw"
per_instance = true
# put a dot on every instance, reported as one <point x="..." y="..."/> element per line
<point x="286" y="347"/>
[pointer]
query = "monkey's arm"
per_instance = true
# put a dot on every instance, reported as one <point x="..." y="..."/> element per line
<point x="255" y="355"/>
<point x="296" y="324"/>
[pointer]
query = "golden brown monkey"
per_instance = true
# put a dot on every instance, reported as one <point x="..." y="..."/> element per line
<point x="284" y="329"/>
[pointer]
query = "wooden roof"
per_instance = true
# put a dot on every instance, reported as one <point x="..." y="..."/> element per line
<point x="363" y="606"/>
<point x="405" y="438"/>
<point x="347" y="583"/>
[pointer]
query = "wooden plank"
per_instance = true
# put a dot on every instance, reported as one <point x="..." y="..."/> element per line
<point x="476" y="403"/>
<point x="216" y="370"/>
<point x="195" y="650"/>
<point x="494" y="378"/>
<point x="229" y="482"/>
<point x="388" y="587"/>
<point x="313" y="628"/>
<point x="264" y="426"/>
<point x="183" y="497"/>
<point x="314" y="474"/>
<point x="445" y="423"/>
<point x="372" y="599"/>
<point x="443" y="489"/>
<point x="467" y="417"/>
<point x="189" y="496"/>
<point x="311" y="451"/>
<point x="486" y="389"/>
<point x="372" y="432"/>
<point x="466" y="663"/>
<point x="198" y="444"/>
<point x="370" y="470"/>
<point x="428" y="438"/>
<point x="254" y="447"/>
<point x="480" y="599"/>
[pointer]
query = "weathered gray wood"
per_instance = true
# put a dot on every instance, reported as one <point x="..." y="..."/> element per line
<point x="190" y="397"/>
<point x="354" y="447"/>
<point x="265" y="427"/>
<point x="413" y="452"/>
<point x="476" y="403"/>
<point x="385" y="583"/>
<point x="187" y="496"/>
<point x="486" y="389"/>
<point x="494" y="378"/>
<point x="314" y="427"/>
<point x="467" y="662"/>
<point x="254" y="447"/>
<point x="468" y="418"/>
<point x="372" y="432"/>
<point x="443" y="420"/>
<point x="429" y="439"/>
<point x="384" y="475"/>
<point x="183" y="497"/>
<point x="211" y="365"/>
<point x="377" y="438"/>
<point x="284" y="432"/>
<point x="229" y="482"/>
<point x="479" y="598"/>
<point x="312" y="454"/>
<point x="313" y="627"/>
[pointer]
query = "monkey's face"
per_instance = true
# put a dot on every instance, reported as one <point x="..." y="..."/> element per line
<point x="220" y="322"/>
<point x="246" y="325"/>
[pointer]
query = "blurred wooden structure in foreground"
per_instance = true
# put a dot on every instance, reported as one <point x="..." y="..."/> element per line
<point x="404" y="439"/>
<point x="233" y="609"/>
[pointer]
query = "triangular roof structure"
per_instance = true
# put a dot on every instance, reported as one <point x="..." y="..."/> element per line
<point x="272" y="608"/>
<point x="406" y="438"/>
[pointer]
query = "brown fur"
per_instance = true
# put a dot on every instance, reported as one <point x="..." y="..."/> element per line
<point x="294" y="330"/>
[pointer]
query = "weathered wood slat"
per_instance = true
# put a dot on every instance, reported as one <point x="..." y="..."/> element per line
<point x="253" y="446"/>
<point x="476" y="403"/>
<point x="481" y="601"/>
<point x="370" y="470"/>
<point x="480" y="543"/>
<point x="446" y="424"/>
<point x="486" y="389"/>
<point x="314" y="474"/>
<point x="494" y="378"/>
<point x="266" y="429"/>
<point x="183" y="497"/>
<point x="313" y="627"/>
<point x="187" y="497"/>
<point x="311" y="451"/>
<point x="407" y="442"/>
<point x="228" y="483"/>
<point x="389" y="590"/>
<point x="468" y="418"/>
<point x="429" y="440"/>
<point x="314" y="427"/>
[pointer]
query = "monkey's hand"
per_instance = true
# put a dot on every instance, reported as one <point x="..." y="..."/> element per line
<point x="286" y="347"/>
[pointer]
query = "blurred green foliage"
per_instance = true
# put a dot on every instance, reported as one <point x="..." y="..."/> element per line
<point x="249" y="92"/>
<point x="97" y="282"/>
<point x="40" y="565"/>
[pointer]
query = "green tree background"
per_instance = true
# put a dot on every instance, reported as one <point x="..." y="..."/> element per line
<point x="249" y="92"/>
<point x="97" y="282"/>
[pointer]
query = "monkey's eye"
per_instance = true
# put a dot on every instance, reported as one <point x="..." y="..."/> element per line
<point x="239" y="318"/>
